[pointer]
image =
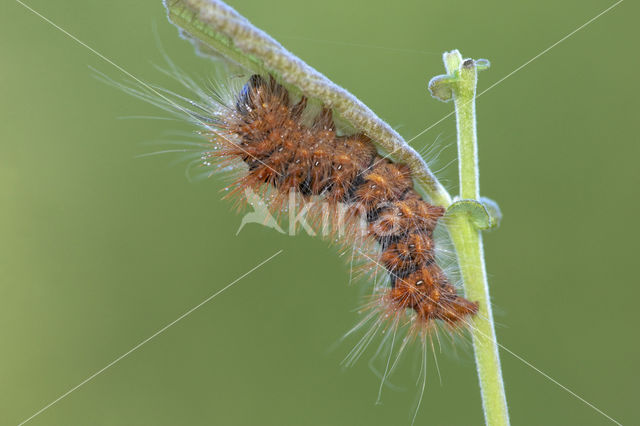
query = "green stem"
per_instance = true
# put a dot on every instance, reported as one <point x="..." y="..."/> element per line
<point x="468" y="243"/>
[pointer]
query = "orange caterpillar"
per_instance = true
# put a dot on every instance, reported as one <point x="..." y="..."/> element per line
<point x="265" y="129"/>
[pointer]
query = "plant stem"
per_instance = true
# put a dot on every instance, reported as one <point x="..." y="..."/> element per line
<point x="213" y="26"/>
<point x="468" y="243"/>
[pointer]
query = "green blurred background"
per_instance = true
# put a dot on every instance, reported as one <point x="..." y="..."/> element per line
<point x="100" y="249"/>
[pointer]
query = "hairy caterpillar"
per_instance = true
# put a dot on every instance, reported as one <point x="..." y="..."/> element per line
<point x="293" y="154"/>
<point x="283" y="147"/>
<point x="265" y="130"/>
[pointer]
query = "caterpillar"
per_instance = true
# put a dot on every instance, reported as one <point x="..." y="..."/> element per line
<point x="264" y="129"/>
<point x="293" y="153"/>
<point x="285" y="149"/>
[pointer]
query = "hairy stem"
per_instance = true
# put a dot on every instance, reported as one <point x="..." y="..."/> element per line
<point x="467" y="239"/>
<point x="215" y="27"/>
